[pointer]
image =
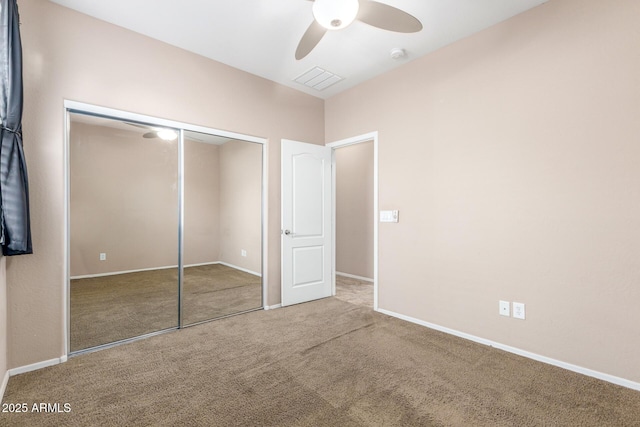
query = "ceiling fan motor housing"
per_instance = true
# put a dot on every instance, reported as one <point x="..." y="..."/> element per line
<point x="335" y="14"/>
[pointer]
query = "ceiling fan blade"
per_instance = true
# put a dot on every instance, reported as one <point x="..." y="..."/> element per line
<point x="387" y="17"/>
<point x="310" y="39"/>
<point x="153" y="134"/>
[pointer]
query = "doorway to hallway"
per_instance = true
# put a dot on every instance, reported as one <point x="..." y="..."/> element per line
<point x="355" y="226"/>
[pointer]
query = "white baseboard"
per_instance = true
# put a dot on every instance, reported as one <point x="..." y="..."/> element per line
<point x="237" y="268"/>
<point x="115" y="273"/>
<point x="3" y="386"/>
<point x="36" y="366"/>
<point x="353" y="276"/>
<point x="272" y="307"/>
<point x="579" y="369"/>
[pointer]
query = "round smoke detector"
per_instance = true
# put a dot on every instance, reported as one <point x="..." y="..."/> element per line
<point x="397" y="53"/>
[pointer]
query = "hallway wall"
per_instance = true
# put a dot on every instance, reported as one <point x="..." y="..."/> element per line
<point x="354" y="210"/>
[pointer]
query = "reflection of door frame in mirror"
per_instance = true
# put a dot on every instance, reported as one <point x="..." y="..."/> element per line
<point x="109" y="113"/>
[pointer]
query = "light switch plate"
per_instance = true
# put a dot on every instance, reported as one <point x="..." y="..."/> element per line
<point x="389" y="216"/>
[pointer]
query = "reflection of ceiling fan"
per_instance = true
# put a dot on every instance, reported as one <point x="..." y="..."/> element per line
<point x="337" y="14"/>
<point x="162" y="133"/>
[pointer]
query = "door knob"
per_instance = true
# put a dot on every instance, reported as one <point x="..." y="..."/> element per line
<point x="287" y="232"/>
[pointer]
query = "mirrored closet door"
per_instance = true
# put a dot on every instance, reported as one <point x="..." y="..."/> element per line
<point x="165" y="228"/>
<point x="123" y="252"/>
<point x="222" y="227"/>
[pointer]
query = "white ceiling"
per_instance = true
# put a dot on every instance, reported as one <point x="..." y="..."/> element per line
<point x="261" y="36"/>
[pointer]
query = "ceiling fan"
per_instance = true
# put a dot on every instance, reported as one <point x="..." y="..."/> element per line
<point x="332" y="15"/>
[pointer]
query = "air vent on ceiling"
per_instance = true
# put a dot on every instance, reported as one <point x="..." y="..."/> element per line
<point x="317" y="78"/>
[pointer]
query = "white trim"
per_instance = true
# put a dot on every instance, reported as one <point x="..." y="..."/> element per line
<point x="180" y="254"/>
<point x="198" y="264"/>
<point x="36" y="366"/>
<point x="66" y="288"/>
<point x="115" y="273"/>
<point x="237" y="268"/>
<point x="264" y="228"/>
<point x="272" y="307"/>
<point x="367" y="137"/>
<point x="353" y="276"/>
<point x="135" y="117"/>
<point x="524" y="353"/>
<point x="3" y="386"/>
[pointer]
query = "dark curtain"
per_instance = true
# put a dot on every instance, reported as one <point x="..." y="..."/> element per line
<point x="15" y="229"/>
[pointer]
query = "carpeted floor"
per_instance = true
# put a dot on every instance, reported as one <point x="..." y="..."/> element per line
<point x="111" y="308"/>
<point x="323" y="363"/>
<point x="355" y="291"/>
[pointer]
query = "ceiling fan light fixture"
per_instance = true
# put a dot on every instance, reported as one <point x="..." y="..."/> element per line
<point x="335" y="14"/>
<point x="167" y="134"/>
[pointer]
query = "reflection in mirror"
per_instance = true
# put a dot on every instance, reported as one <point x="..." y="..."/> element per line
<point x="222" y="227"/>
<point x="123" y="214"/>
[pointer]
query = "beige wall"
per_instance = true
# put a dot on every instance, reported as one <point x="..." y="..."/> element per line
<point x="201" y="202"/>
<point x="240" y="204"/>
<point x="513" y="158"/>
<point x="68" y="55"/>
<point x="4" y="367"/>
<point x="354" y="209"/>
<point x="123" y="200"/>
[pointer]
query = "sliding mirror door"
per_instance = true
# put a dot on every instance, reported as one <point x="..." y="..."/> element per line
<point x="165" y="226"/>
<point x="222" y="227"/>
<point x="123" y="221"/>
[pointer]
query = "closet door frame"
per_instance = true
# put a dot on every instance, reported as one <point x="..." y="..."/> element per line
<point x="110" y="113"/>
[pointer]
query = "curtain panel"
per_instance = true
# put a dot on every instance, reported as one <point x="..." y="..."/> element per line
<point x="15" y="228"/>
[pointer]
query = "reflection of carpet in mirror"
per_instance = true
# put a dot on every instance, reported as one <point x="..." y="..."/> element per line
<point x="111" y="308"/>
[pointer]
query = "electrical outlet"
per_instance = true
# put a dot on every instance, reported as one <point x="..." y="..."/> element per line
<point x="518" y="310"/>
<point x="103" y="256"/>
<point x="243" y="252"/>
<point x="504" y="308"/>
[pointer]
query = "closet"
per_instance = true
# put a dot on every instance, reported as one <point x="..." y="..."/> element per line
<point x="164" y="226"/>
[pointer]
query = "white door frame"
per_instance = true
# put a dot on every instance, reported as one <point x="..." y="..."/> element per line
<point x="367" y="137"/>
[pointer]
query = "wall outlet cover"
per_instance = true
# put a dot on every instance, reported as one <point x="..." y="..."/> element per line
<point x="518" y="310"/>
<point x="504" y="308"/>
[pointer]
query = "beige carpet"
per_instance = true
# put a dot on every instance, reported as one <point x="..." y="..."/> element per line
<point x="355" y="291"/>
<point x="324" y="363"/>
<point x="111" y="308"/>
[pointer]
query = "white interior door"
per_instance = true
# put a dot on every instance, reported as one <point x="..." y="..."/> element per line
<point x="306" y="222"/>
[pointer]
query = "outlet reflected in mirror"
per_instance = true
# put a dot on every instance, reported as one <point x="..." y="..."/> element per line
<point x="122" y="202"/>
<point x="222" y="227"/>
